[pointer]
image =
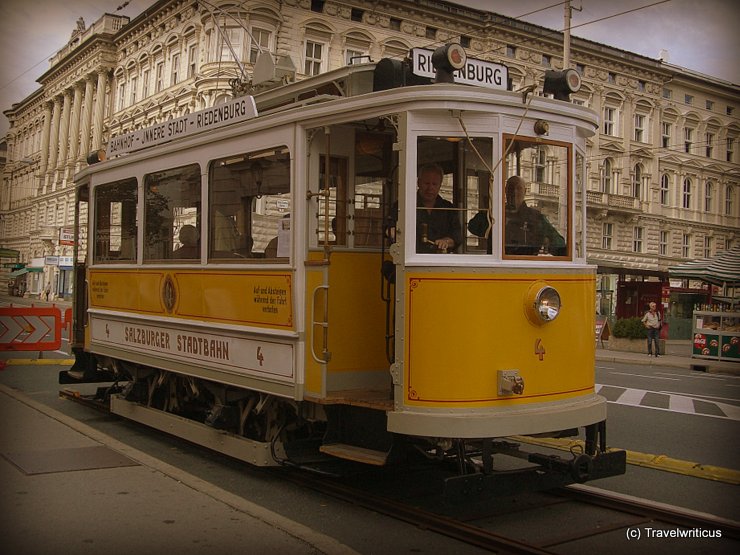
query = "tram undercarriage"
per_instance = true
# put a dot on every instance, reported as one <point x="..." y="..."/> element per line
<point x="267" y="430"/>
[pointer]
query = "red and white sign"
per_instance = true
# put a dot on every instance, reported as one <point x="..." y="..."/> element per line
<point x="30" y="328"/>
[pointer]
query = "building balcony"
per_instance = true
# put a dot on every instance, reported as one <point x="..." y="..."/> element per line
<point x="613" y="204"/>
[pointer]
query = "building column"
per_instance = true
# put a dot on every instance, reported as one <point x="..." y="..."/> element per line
<point x="44" y="161"/>
<point x="74" y="120"/>
<point x="97" y="139"/>
<point x="64" y="130"/>
<point x="86" y="118"/>
<point x="54" y="137"/>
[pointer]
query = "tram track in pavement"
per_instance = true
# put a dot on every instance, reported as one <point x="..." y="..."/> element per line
<point x="488" y="524"/>
<point x="531" y="523"/>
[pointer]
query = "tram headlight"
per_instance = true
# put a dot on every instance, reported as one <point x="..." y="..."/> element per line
<point x="543" y="303"/>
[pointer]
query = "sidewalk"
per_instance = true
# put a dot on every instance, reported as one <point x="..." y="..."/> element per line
<point x="69" y="488"/>
<point x="677" y="355"/>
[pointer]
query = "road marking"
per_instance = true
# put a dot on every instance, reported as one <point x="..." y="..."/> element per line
<point x="680" y="403"/>
<point x="644" y="376"/>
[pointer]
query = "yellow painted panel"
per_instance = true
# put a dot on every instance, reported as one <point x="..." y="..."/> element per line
<point x="249" y="298"/>
<point x="314" y="378"/>
<point x="356" y="313"/>
<point x="461" y="330"/>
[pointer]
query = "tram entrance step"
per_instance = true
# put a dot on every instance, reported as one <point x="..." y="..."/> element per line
<point x="355" y="453"/>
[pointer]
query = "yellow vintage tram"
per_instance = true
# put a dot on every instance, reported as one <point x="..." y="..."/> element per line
<point x="269" y="270"/>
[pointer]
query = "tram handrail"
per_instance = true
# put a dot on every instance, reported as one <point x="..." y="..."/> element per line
<point x="324" y="324"/>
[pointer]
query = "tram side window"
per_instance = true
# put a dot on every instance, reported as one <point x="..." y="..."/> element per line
<point x="250" y="206"/>
<point x="453" y="183"/>
<point x="172" y="216"/>
<point x="537" y="193"/>
<point x="115" y="222"/>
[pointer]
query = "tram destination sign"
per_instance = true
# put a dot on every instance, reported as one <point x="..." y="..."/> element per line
<point x="236" y="110"/>
<point x="474" y="72"/>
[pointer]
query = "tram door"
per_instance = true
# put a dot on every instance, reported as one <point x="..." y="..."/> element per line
<point x="346" y="314"/>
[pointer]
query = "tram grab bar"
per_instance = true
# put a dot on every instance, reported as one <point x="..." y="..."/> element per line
<point x="323" y="324"/>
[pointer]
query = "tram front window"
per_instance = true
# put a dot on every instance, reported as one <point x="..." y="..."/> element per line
<point x="172" y="217"/>
<point x="452" y="186"/>
<point x="537" y="193"/>
<point x="250" y="206"/>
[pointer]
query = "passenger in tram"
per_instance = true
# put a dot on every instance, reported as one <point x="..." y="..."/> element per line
<point x="189" y="239"/>
<point x="527" y="230"/>
<point x="437" y="225"/>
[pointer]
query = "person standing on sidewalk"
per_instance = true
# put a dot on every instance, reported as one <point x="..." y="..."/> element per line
<point x="652" y="323"/>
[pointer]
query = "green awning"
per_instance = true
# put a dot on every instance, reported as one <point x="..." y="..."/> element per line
<point x="18" y="272"/>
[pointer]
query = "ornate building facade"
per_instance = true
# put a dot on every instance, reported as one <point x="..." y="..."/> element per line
<point x="663" y="180"/>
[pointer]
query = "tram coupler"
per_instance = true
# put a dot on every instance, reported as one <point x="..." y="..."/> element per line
<point x="551" y="473"/>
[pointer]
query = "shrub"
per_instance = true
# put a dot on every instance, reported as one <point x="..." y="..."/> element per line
<point x="631" y="328"/>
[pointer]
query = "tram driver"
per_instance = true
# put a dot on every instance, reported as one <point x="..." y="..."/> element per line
<point x="527" y="230"/>
<point x="437" y="226"/>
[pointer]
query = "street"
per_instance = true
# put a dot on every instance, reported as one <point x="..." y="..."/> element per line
<point x="684" y="415"/>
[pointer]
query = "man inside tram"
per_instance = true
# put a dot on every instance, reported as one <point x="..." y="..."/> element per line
<point x="437" y="226"/>
<point x="527" y="230"/>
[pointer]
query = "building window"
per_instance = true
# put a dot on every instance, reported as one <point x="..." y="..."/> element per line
<point x="664" y="188"/>
<point x="686" y="198"/>
<point x="464" y="41"/>
<point x="708" y="147"/>
<point x="431" y="33"/>
<point x="121" y="96"/>
<point x="730" y="148"/>
<point x="609" y="121"/>
<point x="581" y="69"/>
<point x="666" y="135"/>
<point x="192" y="60"/>
<point x="260" y="43"/>
<point x="175" y="68"/>
<point x="606" y="177"/>
<point x="710" y="105"/>
<point x="395" y="24"/>
<point x="145" y="84"/>
<point x="317" y="6"/>
<point x="312" y="65"/>
<point x="510" y="51"/>
<point x="708" y="194"/>
<point x="353" y="57"/>
<point x="607" y="230"/>
<point x="231" y="44"/>
<point x="636" y="181"/>
<point x="637" y="239"/>
<point x="546" y="60"/>
<point x="707" y="247"/>
<point x="663" y="243"/>
<point x="686" y="246"/>
<point x="641" y="85"/>
<point x="159" y="74"/>
<point x="356" y="15"/>
<point x="688" y="99"/>
<point x="729" y="200"/>
<point x="667" y="94"/>
<point x="639" y="128"/>
<point x="611" y="78"/>
<point x="730" y="110"/>
<point x="134" y="86"/>
<point x="688" y="138"/>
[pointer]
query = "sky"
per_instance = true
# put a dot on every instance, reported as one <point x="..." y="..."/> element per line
<point x="701" y="35"/>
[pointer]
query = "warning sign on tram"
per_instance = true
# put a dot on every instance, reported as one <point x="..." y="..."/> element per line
<point x="236" y="110"/>
<point x="30" y="328"/>
<point x="474" y="72"/>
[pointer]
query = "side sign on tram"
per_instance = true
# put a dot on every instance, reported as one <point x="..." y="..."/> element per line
<point x="475" y="72"/>
<point x="238" y="109"/>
